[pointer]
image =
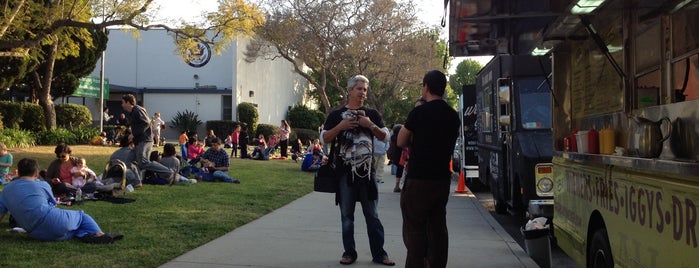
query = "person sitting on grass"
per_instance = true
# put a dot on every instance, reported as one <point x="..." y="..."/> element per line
<point x="81" y="173"/>
<point x="216" y="161"/>
<point x="33" y="206"/>
<point x="261" y="152"/>
<point x="312" y="162"/>
<point x="169" y="159"/>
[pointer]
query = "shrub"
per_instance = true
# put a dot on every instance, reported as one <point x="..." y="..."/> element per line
<point x="247" y="114"/>
<point x="55" y="136"/>
<point x="1" y="125"/>
<point x="17" y="138"/>
<point x="69" y="115"/>
<point x="84" y="135"/>
<point x="302" y="117"/>
<point x="32" y="117"/>
<point x="12" y="114"/>
<point x="222" y="128"/>
<point x="186" y="121"/>
<point x="305" y="134"/>
<point x="266" y="129"/>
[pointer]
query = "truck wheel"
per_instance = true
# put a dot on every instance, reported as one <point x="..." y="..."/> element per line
<point x="498" y="201"/>
<point x="600" y="253"/>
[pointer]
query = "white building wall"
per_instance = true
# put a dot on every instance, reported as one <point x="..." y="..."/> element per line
<point x="150" y="65"/>
<point x="151" y="61"/>
<point x="273" y="82"/>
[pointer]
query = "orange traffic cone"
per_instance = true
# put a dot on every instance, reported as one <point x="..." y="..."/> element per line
<point x="461" y="186"/>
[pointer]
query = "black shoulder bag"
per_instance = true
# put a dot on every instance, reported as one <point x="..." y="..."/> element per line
<point x="326" y="180"/>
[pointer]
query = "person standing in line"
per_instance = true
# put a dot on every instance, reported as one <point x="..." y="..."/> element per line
<point x="284" y="131"/>
<point x="380" y="149"/>
<point x="142" y="137"/>
<point x="430" y="131"/>
<point x="394" y="156"/>
<point x="156" y="125"/>
<point x="235" y="136"/>
<point x="351" y="129"/>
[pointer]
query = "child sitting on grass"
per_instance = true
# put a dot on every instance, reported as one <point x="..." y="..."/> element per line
<point x="81" y="173"/>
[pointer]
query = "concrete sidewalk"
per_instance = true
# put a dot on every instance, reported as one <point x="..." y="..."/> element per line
<point x="306" y="233"/>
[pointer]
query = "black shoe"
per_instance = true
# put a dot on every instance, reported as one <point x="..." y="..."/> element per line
<point x="115" y="236"/>
<point x="236" y="181"/>
<point x="93" y="239"/>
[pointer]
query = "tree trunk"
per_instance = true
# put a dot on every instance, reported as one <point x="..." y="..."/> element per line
<point x="43" y="86"/>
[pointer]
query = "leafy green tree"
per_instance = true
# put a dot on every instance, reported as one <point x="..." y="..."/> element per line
<point x="465" y="75"/>
<point x="329" y="41"/>
<point x="247" y="113"/>
<point x="42" y="32"/>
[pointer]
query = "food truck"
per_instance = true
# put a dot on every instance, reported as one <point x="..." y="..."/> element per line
<point x="625" y="113"/>
<point x="513" y="101"/>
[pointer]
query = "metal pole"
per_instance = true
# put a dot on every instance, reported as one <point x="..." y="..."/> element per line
<point x="101" y="111"/>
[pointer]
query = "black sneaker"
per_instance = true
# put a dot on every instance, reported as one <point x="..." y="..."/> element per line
<point x="115" y="236"/>
<point x="93" y="239"/>
<point x="236" y="181"/>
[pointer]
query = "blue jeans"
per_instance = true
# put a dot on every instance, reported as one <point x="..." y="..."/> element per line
<point x="183" y="149"/>
<point x="220" y="176"/>
<point x="349" y="196"/>
<point x="142" y="151"/>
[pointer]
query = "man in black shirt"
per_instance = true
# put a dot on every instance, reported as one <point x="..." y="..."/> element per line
<point x="430" y="131"/>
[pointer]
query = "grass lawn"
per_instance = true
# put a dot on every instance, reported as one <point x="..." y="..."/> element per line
<point x="164" y="222"/>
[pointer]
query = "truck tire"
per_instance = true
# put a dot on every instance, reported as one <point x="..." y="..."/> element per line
<point x="498" y="200"/>
<point x="600" y="253"/>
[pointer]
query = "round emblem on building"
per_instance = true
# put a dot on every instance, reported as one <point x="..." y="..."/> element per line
<point x="199" y="56"/>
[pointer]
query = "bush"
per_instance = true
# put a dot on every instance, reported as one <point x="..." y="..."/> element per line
<point x="84" y="135"/>
<point x="247" y="114"/>
<point x="1" y="125"/>
<point x="222" y="128"/>
<point x="69" y="115"/>
<point x="55" y="136"/>
<point x="266" y="129"/>
<point x="12" y="114"/>
<point x="186" y="121"/>
<point x="17" y="138"/>
<point x="305" y="134"/>
<point x="32" y="117"/>
<point x="302" y="117"/>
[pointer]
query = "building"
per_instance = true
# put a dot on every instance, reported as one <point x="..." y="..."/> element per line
<point x="211" y="85"/>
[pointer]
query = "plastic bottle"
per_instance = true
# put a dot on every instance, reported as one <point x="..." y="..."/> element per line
<point x="606" y="141"/>
<point x="79" y="195"/>
<point x="593" y="141"/>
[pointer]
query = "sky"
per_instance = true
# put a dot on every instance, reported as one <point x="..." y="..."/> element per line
<point x="429" y="11"/>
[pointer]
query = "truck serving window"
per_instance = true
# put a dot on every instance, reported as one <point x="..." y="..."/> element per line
<point x="535" y="103"/>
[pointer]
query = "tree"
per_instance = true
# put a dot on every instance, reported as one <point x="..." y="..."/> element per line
<point x="42" y="32"/>
<point x="336" y="39"/>
<point x="465" y="75"/>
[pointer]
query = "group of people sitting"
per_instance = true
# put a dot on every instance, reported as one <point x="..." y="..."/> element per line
<point x="32" y="204"/>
